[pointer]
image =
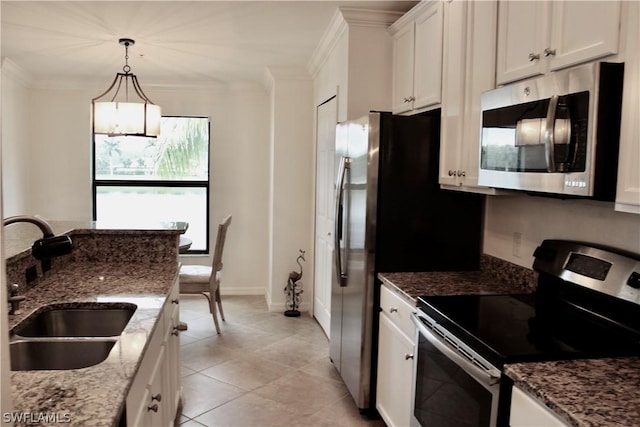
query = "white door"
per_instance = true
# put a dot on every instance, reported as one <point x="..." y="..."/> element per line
<point x="326" y="120"/>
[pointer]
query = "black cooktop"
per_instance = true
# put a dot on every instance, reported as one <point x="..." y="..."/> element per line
<point x="515" y="328"/>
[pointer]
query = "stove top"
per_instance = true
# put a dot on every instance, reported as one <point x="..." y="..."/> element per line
<point x="576" y="312"/>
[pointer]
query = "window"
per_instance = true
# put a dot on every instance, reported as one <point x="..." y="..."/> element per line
<point x="140" y="180"/>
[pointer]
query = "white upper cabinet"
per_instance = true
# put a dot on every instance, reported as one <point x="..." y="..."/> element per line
<point x="535" y="37"/>
<point x="628" y="191"/>
<point x="468" y="70"/>
<point x="417" y="58"/>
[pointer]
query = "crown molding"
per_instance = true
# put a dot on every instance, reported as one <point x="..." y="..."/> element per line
<point x="411" y="15"/>
<point x="336" y="28"/>
<point x="343" y="18"/>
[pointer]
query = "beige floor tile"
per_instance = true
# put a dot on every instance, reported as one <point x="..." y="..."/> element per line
<point x="306" y="394"/>
<point x="247" y="372"/>
<point x="284" y="361"/>
<point x="293" y="352"/>
<point x="203" y="393"/>
<point x="344" y="413"/>
<point x="249" y="410"/>
<point x="205" y="353"/>
<point x="322" y="368"/>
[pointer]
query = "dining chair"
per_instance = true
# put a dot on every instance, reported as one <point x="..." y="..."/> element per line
<point x="204" y="279"/>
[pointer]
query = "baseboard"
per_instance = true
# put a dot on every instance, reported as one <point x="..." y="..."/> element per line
<point x="231" y="290"/>
<point x="281" y="307"/>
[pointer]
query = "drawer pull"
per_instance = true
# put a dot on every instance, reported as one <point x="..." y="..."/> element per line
<point x="408" y="356"/>
<point x="175" y="301"/>
<point x="393" y="310"/>
<point x="153" y="408"/>
<point x="157" y="397"/>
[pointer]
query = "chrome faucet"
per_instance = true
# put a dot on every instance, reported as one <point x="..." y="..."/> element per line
<point x="50" y="245"/>
<point x="41" y="223"/>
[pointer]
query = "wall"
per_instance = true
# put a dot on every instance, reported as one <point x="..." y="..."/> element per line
<point x="292" y="192"/>
<point x="15" y="134"/>
<point x="52" y="151"/>
<point x="515" y="225"/>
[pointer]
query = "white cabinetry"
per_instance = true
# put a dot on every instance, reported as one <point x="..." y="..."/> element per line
<point x="628" y="192"/>
<point x="468" y="70"/>
<point x="537" y="37"/>
<point x="417" y="58"/>
<point x="155" y="392"/>
<point x="527" y="412"/>
<point x="395" y="359"/>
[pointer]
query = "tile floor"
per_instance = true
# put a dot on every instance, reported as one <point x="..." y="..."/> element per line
<point x="265" y="369"/>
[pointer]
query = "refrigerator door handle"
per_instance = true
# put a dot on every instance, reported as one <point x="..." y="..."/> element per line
<point x="345" y="164"/>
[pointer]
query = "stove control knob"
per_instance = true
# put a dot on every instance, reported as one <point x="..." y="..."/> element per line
<point x="634" y="280"/>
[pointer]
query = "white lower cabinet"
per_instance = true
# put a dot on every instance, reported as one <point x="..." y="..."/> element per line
<point x="395" y="360"/>
<point x="527" y="412"/>
<point x="155" y="393"/>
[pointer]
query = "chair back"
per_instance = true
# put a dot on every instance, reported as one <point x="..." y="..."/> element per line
<point x="220" y="239"/>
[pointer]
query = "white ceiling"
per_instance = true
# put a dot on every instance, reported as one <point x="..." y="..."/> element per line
<point x="217" y="42"/>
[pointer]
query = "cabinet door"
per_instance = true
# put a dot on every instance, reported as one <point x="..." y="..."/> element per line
<point x="172" y="364"/>
<point x="628" y="192"/>
<point x="582" y="31"/>
<point x="157" y="407"/>
<point x="427" y="77"/>
<point x="453" y="87"/>
<point x="480" y="77"/>
<point x="523" y="34"/>
<point x="403" y="69"/>
<point x="527" y="412"/>
<point x="395" y="374"/>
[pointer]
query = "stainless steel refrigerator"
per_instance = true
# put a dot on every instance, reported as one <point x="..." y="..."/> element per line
<point x="390" y="216"/>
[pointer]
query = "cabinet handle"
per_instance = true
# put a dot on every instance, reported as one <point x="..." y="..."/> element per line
<point x="175" y="301"/>
<point x="406" y="99"/>
<point x="462" y="173"/>
<point x="549" y="52"/>
<point x="393" y="310"/>
<point x="153" y="408"/>
<point x="408" y="356"/>
<point x="157" y="397"/>
<point x="534" y="57"/>
<point x="452" y="173"/>
<point x="412" y="98"/>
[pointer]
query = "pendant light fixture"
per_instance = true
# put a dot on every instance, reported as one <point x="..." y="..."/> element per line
<point x="117" y="114"/>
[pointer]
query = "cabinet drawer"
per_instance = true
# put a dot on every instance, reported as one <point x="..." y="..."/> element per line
<point x="398" y="310"/>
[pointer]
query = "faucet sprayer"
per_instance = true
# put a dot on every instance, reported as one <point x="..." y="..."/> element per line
<point x="50" y="245"/>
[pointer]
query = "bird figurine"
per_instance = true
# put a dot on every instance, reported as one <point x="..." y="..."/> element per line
<point x="293" y="289"/>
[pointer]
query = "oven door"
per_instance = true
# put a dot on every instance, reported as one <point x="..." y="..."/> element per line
<point x="453" y="386"/>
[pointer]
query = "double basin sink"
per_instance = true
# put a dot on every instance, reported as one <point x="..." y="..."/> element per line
<point x="68" y="336"/>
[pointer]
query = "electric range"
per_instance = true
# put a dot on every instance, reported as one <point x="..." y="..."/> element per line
<point x="586" y="305"/>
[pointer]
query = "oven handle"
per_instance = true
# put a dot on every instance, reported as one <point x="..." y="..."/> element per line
<point x="489" y="378"/>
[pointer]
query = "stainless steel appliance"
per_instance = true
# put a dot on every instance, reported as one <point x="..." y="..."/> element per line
<point x="391" y="215"/>
<point x="556" y="134"/>
<point x="586" y="305"/>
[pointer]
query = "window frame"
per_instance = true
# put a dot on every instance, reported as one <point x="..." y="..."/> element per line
<point x="96" y="183"/>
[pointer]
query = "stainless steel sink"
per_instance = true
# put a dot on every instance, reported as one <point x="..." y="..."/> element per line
<point x="97" y="320"/>
<point x="61" y="354"/>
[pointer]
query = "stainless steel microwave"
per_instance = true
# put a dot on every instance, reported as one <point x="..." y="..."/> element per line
<point x="556" y="134"/>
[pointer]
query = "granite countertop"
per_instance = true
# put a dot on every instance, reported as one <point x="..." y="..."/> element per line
<point x="495" y="276"/>
<point x="584" y="393"/>
<point x="96" y="395"/>
<point x="17" y="238"/>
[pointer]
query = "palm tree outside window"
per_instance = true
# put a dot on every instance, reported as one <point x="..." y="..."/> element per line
<point x="139" y="180"/>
